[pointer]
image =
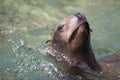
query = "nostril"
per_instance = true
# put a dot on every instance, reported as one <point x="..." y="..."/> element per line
<point x="78" y="15"/>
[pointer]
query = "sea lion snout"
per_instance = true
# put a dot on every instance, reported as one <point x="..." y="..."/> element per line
<point x="78" y="15"/>
<point x="81" y="17"/>
<point x="85" y="22"/>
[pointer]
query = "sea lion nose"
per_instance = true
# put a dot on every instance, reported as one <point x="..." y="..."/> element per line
<point x="78" y="15"/>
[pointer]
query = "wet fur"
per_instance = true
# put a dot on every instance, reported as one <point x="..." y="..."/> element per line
<point x="83" y="52"/>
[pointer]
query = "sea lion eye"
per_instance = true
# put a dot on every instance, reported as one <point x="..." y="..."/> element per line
<point x="60" y="27"/>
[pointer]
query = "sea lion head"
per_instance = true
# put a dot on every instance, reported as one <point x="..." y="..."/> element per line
<point x="71" y="37"/>
<point x="72" y="32"/>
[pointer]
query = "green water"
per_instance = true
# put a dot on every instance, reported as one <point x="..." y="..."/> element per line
<point x="26" y="24"/>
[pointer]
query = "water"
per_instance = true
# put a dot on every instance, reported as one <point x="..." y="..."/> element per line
<point x="25" y="26"/>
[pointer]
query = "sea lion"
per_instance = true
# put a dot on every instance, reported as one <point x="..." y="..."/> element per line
<point x="70" y="44"/>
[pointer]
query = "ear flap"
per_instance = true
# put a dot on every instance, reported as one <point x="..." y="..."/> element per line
<point x="91" y="30"/>
<point x="47" y="41"/>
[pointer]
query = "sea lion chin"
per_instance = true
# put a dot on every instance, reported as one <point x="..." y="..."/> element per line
<point x="70" y="43"/>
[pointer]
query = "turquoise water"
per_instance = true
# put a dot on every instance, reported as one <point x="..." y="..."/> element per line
<point x="25" y="26"/>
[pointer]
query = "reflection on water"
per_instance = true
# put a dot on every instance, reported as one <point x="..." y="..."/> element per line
<point x="25" y="26"/>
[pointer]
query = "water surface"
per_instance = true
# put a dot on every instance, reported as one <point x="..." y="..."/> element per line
<point x="25" y="26"/>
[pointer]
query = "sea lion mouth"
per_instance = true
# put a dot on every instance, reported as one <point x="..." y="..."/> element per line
<point x="79" y="20"/>
<point x="85" y="23"/>
<point x="86" y="27"/>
